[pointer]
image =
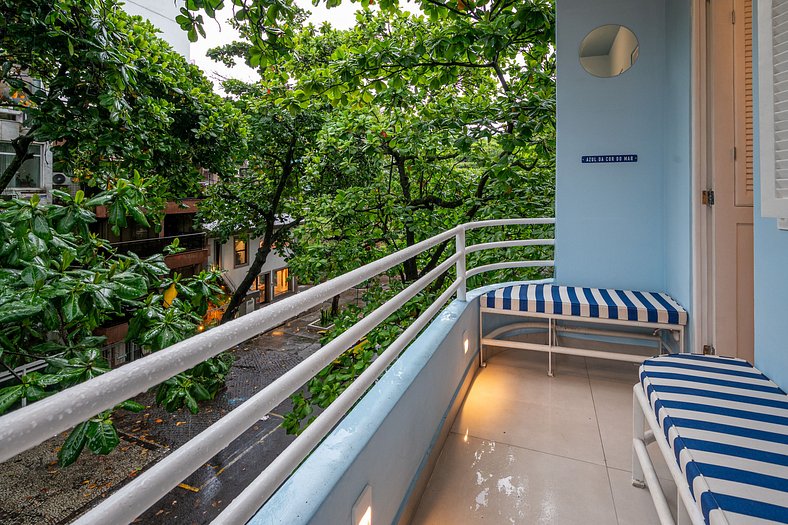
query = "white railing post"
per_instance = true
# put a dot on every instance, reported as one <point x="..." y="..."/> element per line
<point x="460" y="238"/>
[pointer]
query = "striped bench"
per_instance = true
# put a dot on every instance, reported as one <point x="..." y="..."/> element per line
<point x="656" y="311"/>
<point x="722" y="427"/>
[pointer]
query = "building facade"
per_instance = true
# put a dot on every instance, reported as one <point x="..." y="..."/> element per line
<point x="234" y="257"/>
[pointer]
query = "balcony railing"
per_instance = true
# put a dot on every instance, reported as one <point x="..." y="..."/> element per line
<point x="28" y="427"/>
<point x="155" y="245"/>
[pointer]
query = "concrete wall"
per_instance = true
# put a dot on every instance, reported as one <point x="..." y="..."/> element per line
<point x="162" y="14"/>
<point x="369" y="446"/>
<point x="771" y="279"/>
<point x="615" y="222"/>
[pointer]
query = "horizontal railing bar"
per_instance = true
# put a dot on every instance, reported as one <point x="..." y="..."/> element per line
<point x="507" y="265"/>
<point x="135" y="497"/>
<point x="506" y="222"/>
<point x="246" y="504"/>
<point x="25" y="428"/>
<point x="509" y="244"/>
<point x="153" y="239"/>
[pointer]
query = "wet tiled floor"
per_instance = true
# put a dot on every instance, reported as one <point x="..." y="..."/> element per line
<point x="530" y="449"/>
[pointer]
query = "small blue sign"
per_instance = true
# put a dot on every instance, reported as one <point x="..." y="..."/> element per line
<point x="597" y="159"/>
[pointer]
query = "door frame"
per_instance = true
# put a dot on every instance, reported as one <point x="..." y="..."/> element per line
<point x="702" y="322"/>
<point x="702" y="319"/>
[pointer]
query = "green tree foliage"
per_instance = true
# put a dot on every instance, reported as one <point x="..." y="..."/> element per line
<point x="129" y="117"/>
<point x="437" y="120"/>
<point x="59" y="283"/>
<point x="263" y="200"/>
<point x="110" y="96"/>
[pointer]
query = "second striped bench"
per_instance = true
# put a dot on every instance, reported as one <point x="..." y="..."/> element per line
<point x="553" y="303"/>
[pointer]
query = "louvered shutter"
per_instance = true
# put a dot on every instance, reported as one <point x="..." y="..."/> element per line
<point x="745" y="194"/>
<point x="773" y="111"/>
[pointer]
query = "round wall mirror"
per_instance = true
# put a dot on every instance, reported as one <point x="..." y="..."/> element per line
<point x="609" y="50"/>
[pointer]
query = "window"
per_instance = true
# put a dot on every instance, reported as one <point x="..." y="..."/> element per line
<point x="217" y="254"/>
<point x="773" y="100"/>
<point x="241" y="250"/>
<point x="29" y="174"/>
<point x="282" y="284"/>
<point x="261" y="285"/>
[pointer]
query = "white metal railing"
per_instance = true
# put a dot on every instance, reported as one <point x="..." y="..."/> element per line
<point x="28" y="427"/>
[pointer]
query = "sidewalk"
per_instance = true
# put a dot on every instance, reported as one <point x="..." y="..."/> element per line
<point x="34" y="490"/>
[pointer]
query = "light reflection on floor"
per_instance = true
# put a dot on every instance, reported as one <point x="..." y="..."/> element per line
<point x="526" y="448"/>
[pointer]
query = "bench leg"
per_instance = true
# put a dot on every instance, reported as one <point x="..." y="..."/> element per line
<point x="482" y="363"/>
<point x="638" y="433"/>
<point x="682" y="516"/>
<point x="549" y="347"/>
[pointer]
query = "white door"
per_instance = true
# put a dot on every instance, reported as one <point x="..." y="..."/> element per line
<point x="730" y="155"/>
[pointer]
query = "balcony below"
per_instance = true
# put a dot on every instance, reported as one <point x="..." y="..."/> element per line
<point x="528" y="448"/>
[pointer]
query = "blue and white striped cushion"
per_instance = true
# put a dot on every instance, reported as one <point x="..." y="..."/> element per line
<point x="727" y="425"/>
<point x="601" y="303"/>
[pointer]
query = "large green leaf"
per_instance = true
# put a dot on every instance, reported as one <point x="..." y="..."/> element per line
<point x="33" y="274"/>
<point x="128" y="285"/>
<point x="102" y="436"/>
<point x="131" y="406"/>
<point x="73" y="446"/>
<point x="200" y="393"/>
<point x="71" y="309"/>
<point x="9" y="396"/>
<point x="41" y="227"/>
<point x="14" y="312"/>
<point x="191" y="404"/>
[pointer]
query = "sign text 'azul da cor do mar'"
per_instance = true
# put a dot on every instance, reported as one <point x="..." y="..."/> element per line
<point x="598" y="159"/>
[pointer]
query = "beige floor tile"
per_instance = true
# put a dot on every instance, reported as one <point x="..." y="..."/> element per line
<point x="480" y="481"/>
<point x="613" y="402"/>
<point x="609" y="370"/>
<point x="537" y="361"/>
<point x="564" y="430"/>
<point x="527" y="385"/>
<point x="633" y="505"/>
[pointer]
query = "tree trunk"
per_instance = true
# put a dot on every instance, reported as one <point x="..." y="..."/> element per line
<point x="410" y="266"/>
<point x="268" y="238"/>
<point x="240" y="293"/>
<point x="21" y="145"/>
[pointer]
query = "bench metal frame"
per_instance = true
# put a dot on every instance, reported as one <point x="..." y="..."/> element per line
<point x="553" y="328"/>
<point x="643" y="473"/>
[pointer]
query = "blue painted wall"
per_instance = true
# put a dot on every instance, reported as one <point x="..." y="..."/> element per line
<point x="677" y="243"/>
<point x="771" y="283"/>
<point x="625" y="225"/>
<point x="370" y="445"/>
<point x="771" y="296"/>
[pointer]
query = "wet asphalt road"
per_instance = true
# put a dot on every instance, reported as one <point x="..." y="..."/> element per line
<point x="204" y="494"/>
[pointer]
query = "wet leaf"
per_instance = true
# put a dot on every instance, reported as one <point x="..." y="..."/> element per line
<point x="73" y="446"/>
<point x="102" y="436"/>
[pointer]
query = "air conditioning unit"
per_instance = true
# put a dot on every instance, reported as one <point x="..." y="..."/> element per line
<point x="59" y="179"/>
<point x="249" y="306"/>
